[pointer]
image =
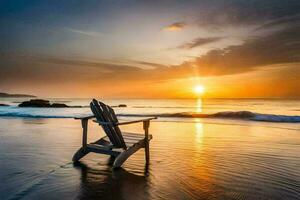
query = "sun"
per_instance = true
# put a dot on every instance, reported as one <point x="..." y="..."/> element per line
<point x="199" y="89"/>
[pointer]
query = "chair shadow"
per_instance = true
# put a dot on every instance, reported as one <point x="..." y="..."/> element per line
<point x="106" y="183"/>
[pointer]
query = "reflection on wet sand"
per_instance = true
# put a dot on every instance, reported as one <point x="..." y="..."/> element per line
<point x="102" y="181"/>
<point x="206" y="159"/>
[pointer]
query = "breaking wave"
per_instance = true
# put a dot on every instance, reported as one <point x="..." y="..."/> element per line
<point x="27" y="115"/>
<point x="246" y="115"/>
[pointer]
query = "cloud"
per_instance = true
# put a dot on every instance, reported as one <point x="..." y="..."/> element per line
<point x="49" y="69"/>
<point x="150" y="64"/>
<point x="255" y="53"/>
<point x="281" y="47"/>
<point x="276" y="55"/>
<point x="282" y="22"/>
<point x="177" y="26"/>
<point x="199" y="42"/>
<point x="218" y="14"/>
<point x="85" y="33"/>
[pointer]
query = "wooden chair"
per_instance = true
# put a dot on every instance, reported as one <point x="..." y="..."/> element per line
<point x="119" y="145"/>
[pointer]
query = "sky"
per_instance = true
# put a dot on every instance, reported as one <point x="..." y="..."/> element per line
<point x="150" y="49"/>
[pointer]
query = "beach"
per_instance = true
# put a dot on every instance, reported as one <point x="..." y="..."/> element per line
<point x="217" y="81"/>
<point x="198" y="158"/>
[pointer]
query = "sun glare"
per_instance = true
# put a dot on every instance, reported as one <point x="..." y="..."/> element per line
<point x="199" y="89"/>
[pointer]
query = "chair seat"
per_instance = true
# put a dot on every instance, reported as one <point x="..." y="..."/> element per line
<point x="132" y="138"/>
<point x="129" y="138"/>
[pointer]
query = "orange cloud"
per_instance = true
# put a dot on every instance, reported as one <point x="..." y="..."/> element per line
<point x="177" y="26"/>
<point x="199" y="42"/>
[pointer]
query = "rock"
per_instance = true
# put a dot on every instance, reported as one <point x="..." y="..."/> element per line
<point x="238" y="114"/>
<point x="122" y="105"/>
<point x="59" y="105"/>
<point x="1" y="104"/>
<point x="76" y="106"/>
<point x="44" y="104"/>
<point x="35" y="103"/>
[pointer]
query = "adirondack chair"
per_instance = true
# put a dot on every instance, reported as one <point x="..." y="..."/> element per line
<point x="120" y="145"/>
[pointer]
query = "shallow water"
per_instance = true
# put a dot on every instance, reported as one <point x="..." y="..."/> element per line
<point x="199" y="159"/>
<point x="231" y="157"/>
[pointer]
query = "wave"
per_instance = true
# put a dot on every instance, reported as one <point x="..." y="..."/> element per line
<point x="164" y="106"/>
<point x="26" y="115"/>
<point x="246" y="115"/>
<point x="243" y="115"/>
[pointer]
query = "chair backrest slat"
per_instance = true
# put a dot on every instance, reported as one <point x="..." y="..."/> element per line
<point x="111" y="116"/>
<point x="105" y="113"/>
<point x="95" y="107"/>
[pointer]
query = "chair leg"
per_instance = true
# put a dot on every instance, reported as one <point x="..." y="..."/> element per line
<point x="83" y="150"/>
<point x="122" y="157"/>
<point x="147" y="153"/>
<point x="146" y="125"/>
<point x="79" y="154"/>
<point x="111" y="160"/>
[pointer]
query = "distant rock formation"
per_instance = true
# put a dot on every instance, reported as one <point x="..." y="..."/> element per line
<point x="1" y="104"/>
<point x="119" y="106"/>
<point x="35" y="103"/>
<point x="41" y="103"/>
<point x="2" y="94"/>
<point x="59" y="105"/>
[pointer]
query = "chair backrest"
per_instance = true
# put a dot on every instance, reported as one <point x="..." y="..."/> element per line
<point x="106" y="114"/>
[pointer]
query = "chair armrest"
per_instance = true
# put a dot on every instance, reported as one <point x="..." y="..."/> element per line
<point x="85" y="118"/>
<point x="136" y="121"/>
<point x="124" y="123"/>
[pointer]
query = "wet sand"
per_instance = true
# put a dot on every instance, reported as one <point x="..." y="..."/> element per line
<point x="206" y="159"/>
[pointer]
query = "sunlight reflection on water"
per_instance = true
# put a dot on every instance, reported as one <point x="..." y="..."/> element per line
<point x="199" y="131"/>
<point x="199" y="105"/>
<point x="190" y="158"/>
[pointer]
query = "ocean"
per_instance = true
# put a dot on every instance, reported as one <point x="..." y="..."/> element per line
<point x="201" y="149"/>
<point x="270" y="110"/>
